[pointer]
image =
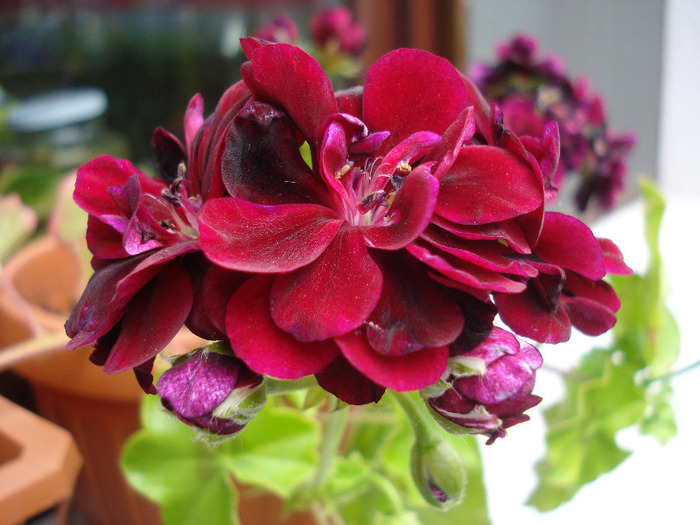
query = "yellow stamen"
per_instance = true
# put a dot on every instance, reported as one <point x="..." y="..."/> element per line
<point x="404" y="168"/>
<point x="342" y="171"/>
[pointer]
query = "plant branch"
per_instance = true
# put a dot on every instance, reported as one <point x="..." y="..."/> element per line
<point x="675" y="373"/>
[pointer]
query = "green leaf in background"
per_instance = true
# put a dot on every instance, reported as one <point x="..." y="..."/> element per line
<point x="165" y="463"/>
<point x="17" y="223"/>
<point x="616" y="387"/>
<point x="278" y="450"/>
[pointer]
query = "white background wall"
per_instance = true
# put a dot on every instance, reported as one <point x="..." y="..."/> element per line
<point x="616" y="44"/>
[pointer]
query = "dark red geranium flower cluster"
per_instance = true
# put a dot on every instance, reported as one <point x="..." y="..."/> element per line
<point x="532" y="91"/>
<point x="367" y="237"/>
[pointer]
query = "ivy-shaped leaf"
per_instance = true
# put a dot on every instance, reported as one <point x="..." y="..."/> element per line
<point x="617" y="387"/>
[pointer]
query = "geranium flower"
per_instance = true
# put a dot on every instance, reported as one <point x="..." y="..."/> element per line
<point x="532" y="91"/>
<point x="337" y="295"/>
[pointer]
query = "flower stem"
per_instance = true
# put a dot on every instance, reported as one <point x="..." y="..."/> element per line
<point x="423" y="431"/>
<point x="675" y="373"/>
<point x="332" y="436"/>
<point x="277" y="386"/>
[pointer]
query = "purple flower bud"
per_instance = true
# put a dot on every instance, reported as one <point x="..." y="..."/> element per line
<point x="212" y="391"/>
<point x="487" y="389"/>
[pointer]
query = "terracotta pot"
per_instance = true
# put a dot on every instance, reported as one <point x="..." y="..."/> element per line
<point x="38" y="287"/>
<point x="39" y="465"/>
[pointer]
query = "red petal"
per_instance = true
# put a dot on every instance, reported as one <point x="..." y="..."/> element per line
<point x="508" y="231"/>
<point x="154" y="316"/>
<point x="488" y="254"/>
<point x="569" y="243"/>
<point x="241" y="235"/>
<point x="95" y="177"/>
<point x="331" y="296"/>
<point x="488" y="184"/>
<point x="402" y="94"/>
<point x="401" y="373"/>
<point x="291" y="78"/>
<point x="408" y="215"/>
<point x="527" y="316"/>
<point x="265" y="348"/>
<point x="613" y="259"/>
<point x="463" y="271"/>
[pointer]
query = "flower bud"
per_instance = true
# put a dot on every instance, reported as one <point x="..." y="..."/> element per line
<point x="213" y="391"/>
<point x="486" y="389"/>
<point x="438" y="472"/>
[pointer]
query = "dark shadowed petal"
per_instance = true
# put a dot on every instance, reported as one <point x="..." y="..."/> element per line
<point x="261" y="162"/>
<point x="96" y="312"/>
<point x="413" y="311"/>
<point x="488" y="184"/>
<point x="408" y="215"/>
<point x="330" y="296"/>
<point x="169" y="154"/>
<point x="402" y="93"/>
<point x="569" y="243"/>
<point x="291" y="78"/>
<point x="241" y="235"/>
<point x="149" y="266"/>
<point x="591" y="305"/>
<point x="401" y="373"/>
<point x="347" y="384"/>
<point x="463" y="271"/>
<point x="208" y="147"/>
<point x="527" y="315"/>
<point x="154" y="316"/>
<point x="265" y="348"/>
<point x="217" y="287"/>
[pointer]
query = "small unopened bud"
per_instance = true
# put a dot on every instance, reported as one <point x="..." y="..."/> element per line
<point x="438" y="472"/>
<point x="487" y="389"/>
<point x="213" y="391"/>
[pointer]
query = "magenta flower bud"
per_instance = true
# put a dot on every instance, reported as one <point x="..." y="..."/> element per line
<point x="281" y="29"/>
<point x="213" y="391"/>
<point x="487" y="389"/>
<point x="337" y="25"/>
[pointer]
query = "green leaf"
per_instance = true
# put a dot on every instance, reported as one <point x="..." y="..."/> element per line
<point x="165" y="463"/>
<point x="659" y="420"/>
<point x="17" y="223"/>
<point x="278" y="450"/>
<point x="602" y="399"/>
